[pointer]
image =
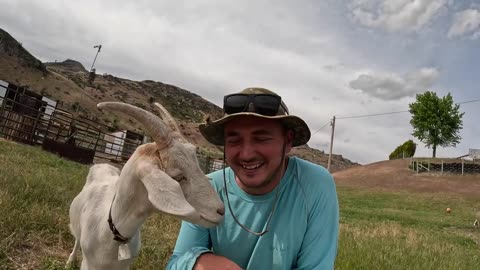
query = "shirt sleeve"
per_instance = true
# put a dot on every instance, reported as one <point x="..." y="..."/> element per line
<point x="319" y="247"/>
<point x="192" y="241"/>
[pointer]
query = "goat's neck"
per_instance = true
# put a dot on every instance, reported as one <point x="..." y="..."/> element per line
<point x="130" y="207"/>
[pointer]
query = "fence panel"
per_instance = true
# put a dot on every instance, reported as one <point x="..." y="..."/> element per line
<point x="445" y="166"/>
<point x="27" y="119"/>
<point x="23" y="119"/>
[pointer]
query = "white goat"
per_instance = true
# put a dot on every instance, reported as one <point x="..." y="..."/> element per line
<point x="106" y="216"/>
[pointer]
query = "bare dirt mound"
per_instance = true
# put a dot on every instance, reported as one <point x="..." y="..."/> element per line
<point x="395" y="175"/>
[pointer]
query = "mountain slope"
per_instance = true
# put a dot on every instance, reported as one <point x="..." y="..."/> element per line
<point x="10" y="47"/>
<point x="68" y="83"/>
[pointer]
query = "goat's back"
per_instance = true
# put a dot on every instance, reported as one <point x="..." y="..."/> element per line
<point x="102" y="174"/>
<point x="95" y="197"/>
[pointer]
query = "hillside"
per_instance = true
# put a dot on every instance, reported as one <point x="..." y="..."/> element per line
<point x="395" y="175"/>
<point x="68" y="65"/>
<point x="67" y="82"/>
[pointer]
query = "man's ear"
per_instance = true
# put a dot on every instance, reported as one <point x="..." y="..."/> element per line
<point x="289" y="140"/>
<point x="166" y="195"/>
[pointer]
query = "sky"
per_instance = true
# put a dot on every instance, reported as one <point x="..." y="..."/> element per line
<point x="325" y="58"/>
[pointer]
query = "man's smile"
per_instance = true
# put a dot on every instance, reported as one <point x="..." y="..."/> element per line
<point x="252" y="166"/>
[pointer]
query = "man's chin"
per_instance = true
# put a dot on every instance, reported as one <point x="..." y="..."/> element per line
<point x="253" y="185"/>
<point x="253" y="182"/>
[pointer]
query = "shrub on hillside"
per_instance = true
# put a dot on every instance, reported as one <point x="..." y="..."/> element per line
<point x="407" y="149"/>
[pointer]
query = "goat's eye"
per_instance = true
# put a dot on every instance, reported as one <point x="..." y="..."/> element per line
<point x="179" y="178"/>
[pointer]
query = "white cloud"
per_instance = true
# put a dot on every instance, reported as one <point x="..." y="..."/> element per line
<point x="306" y="51"/>
<point x="396" y="15"/>
<point x="476" y="35"/>
<point x="467" y="21"/>
<point x="394" y="86"/>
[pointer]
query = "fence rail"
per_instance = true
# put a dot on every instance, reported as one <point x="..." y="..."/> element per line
<point x="29" y="120"/>
<point x="445" y="166"/>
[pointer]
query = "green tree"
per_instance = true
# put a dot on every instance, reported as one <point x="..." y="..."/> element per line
<point x="405" y="150"/>
<point x="436" y="121"/>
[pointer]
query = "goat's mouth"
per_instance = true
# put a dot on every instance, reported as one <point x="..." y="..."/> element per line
<point x="209" y="220"/>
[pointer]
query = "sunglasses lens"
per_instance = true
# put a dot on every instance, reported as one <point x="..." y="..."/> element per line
<point x="263" y="104"/>
<point x="267" y="104"/>
<point x="235" y="104"/>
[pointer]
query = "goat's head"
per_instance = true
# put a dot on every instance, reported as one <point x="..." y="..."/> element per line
<point x="170" y="171"/>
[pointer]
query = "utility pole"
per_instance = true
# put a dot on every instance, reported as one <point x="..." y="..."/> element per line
<point x="91" y="74"/>
<point x="331" y="143"/>
<point x="99" y="48"/>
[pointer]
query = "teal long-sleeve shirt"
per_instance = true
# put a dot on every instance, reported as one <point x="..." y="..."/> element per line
<point x="302" y="234"/>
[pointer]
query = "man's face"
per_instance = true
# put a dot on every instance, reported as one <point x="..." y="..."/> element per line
<point x="254" y="149"/>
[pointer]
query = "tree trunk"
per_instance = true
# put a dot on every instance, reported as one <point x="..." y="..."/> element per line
<point x="434" y="151"/>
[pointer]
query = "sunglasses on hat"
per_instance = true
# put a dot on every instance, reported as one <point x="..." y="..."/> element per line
<point x="264" y="104"/>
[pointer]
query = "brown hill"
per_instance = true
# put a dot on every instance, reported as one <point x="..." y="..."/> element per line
<point x="10" y="47"/>
<point x="68" y="65"/>
<point x="67" y="82"/>
<point x="395" y="175"/>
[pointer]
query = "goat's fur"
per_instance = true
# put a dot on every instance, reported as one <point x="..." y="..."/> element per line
<point x="144" y="186"/>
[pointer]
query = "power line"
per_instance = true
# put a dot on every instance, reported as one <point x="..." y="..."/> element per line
<point x="378" y="114"/>
<point x="332" y="122"/>
<point x="469" y="101"/>
<point x="368" y="115"/>
<point x="321" y="128"/>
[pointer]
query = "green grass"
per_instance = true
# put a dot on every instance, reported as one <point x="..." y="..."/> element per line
<point x="379" y="230"/>
<point x="400" y="230"/>
<point x="36" y="189"/>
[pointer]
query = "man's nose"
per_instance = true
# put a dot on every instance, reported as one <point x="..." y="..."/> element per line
<point x="247" y="151"/>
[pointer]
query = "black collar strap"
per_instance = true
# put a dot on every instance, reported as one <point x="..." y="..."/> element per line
<point x="116" y="234"/>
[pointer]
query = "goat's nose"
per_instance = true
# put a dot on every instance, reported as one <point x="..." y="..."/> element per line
<point x="221" y="211"/>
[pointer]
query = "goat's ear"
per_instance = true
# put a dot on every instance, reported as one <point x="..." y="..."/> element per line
<point x="166" y="195"/>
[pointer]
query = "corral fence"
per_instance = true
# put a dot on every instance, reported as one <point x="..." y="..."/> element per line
<point x="209" y="164"/>
<point x="30" y="118"/>
<point x="458" y="166"/>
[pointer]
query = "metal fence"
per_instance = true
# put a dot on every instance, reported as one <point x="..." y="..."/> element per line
<point x="445" y="166"/>
<point x="209" y="164"/>
<point x="25" y="118"/>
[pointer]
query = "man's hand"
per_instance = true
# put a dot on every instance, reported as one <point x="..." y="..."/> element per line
<point x="211" y="261"/>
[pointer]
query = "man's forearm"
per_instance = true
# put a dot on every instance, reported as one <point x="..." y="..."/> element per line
<point x="212" y="262"/>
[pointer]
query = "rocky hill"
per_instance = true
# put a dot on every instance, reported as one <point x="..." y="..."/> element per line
<point x="10" y="47"/>
<point x="68" y="65"/>
<point x="68" y="82"/>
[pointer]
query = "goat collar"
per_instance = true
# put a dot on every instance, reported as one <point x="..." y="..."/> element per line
<point x="116" y="234"/>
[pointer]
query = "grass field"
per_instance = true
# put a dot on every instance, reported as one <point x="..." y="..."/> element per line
<point x="379" y="229"/>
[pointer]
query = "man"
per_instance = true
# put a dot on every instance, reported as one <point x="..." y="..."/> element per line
<point x="281" y="212"/>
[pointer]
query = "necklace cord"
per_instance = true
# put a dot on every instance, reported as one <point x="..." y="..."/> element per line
<point x="274" y="203"/>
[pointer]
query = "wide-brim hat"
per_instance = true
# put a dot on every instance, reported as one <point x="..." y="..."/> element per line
<point x="213" y="130"/>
